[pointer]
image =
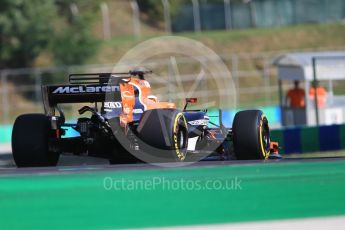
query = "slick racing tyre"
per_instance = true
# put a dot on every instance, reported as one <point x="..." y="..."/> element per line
<point x="251" y="137"/>
<point x="165" y="135"/>
<point x="30" y="138"/>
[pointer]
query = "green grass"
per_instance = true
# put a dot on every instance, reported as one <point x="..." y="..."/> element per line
<point x="307" y="36"/>
<point x="263" y="192"/>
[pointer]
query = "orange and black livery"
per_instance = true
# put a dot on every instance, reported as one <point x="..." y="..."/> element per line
<point x="127" y="123"/>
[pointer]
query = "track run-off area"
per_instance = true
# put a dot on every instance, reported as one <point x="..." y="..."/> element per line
<point x="206" y="193"/>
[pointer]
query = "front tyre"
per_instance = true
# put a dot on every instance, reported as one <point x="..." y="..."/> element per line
<point x="251" y="136"/>
<point x="30" y="141"/>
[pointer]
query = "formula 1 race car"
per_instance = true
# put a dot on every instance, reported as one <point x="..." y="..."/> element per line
<point x="128" y="125"/>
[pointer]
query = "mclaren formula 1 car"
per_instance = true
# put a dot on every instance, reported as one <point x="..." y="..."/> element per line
<point x="127" y="124"/>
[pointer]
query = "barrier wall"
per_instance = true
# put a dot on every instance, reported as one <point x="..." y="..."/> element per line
<point x="310" y="139"/>
<point x="5" y="133"/>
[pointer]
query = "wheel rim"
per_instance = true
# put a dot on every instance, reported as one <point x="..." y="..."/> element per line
<point x="181" y="137"/>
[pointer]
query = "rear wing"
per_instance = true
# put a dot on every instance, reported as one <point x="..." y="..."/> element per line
<point x="83" y="88"/>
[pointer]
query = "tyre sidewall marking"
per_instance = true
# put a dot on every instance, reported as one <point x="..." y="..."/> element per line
<point x="263" y="151"/>
<point x="180" y="155"/>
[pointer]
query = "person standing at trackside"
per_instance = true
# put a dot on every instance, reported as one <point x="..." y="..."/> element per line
<point x="321" y="94"/>
<point x="295" y="97"/>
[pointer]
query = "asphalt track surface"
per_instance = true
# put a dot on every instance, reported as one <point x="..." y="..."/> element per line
<point x="84" y="164"/>
<point x="90" y="194"/>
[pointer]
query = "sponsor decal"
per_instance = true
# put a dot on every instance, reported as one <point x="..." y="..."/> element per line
<point x="138" y="111"/>
<point x="112" y="105"/>
<point x="199" y="122"/>
<point x="86" y="89"/>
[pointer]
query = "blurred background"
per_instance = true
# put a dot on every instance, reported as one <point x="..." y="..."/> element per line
<point x="42" y="41"/>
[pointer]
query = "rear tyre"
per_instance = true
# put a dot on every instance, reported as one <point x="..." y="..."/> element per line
<point x="165" y="135"/>
<point x="251" y="137"/>
<point x="30" y="141"/>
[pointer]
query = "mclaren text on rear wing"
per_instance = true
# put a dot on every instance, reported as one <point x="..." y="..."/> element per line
<point x="83" y="88"/>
